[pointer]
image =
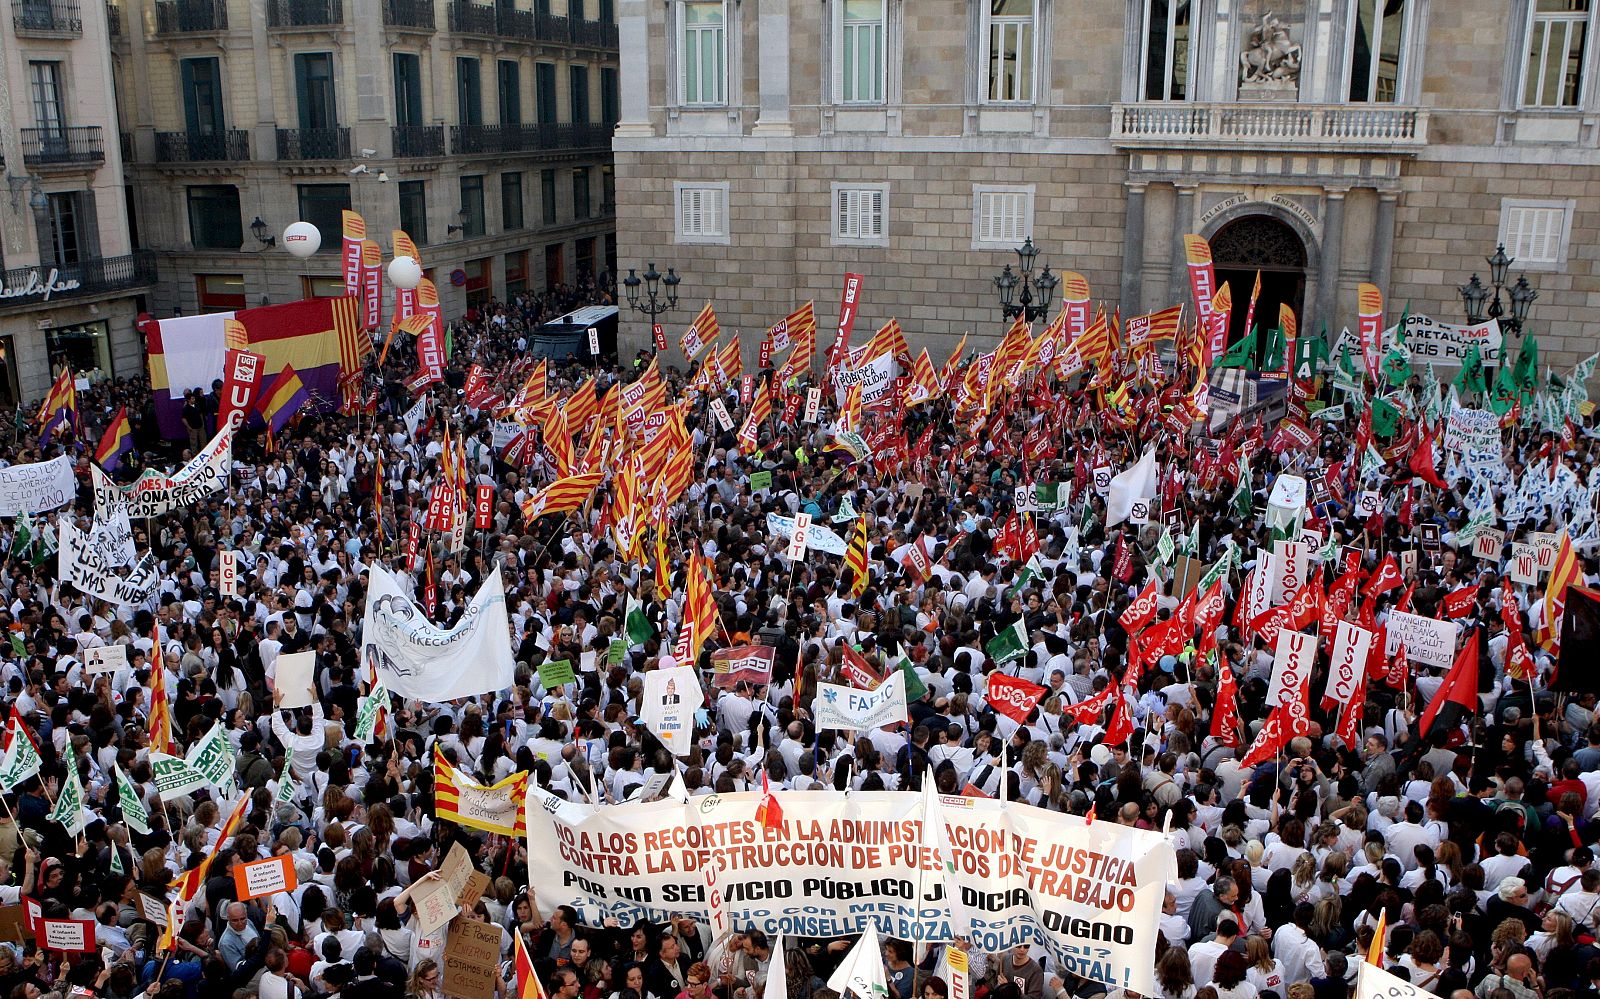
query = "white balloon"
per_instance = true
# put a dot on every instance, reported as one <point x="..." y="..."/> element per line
<point x="405" y="273"/>
<point x="302" y="239"/>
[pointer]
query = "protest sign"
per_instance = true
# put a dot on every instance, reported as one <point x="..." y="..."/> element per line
<point x="476" y="884"/>
<point x="1372" y="982"/>
<point x="1089" y="894"/>
<point x="818" y="537"/>
<point x="1291" y="667"/>
<point x="105" y="659"/>
<point x="293" y="677"/>
<point x="79" y="566"/>
<point x="76" y="935"/>
<point x="1351" y="643"/>
<point x="472" y="961"/>
<point x="1488" y="543"/>
<point x="1523" y="566"/>
<point x="1474" y="434"/>
<point x="435" y="902"/>
<point x="228" y="573"/>
<point x="749" y="663"/>
<point x="1546" y="545"/>
<point x="1427" y="641"/>
<point x="1431" y="340"/>
<point x="414" y="657"/>
<point x="667" y="706"/>
<point x="263" y="877"/>
<point x="1290" y="560"/>
<point x="36" y="487"/>
<point x="153" y="909"/>
<point x="154" y="494"/>
<point x="760" y="481"/>
<point x="861" y="710"/>
<point x="555" y="673"/>
<point x="110" y="535"/>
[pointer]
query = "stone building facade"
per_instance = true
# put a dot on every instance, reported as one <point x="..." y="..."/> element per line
<point x="481" y="129"/>
<point x="71" y="283"/>
<point x="766" y="148"/>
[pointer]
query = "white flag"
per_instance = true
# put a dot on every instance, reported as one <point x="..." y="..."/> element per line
<point x="1137" y="483"/>
<point x="777" y="985"/>
<point x="861" y="972"/>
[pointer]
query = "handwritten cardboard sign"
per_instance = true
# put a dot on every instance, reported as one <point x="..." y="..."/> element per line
<point x="66" y="934"/>
<point x="472" y="960"/>
<point x="436" y="905"/>
<point x="264" y="877"/>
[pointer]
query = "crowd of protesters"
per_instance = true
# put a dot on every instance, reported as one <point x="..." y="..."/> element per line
<point x="1472" y="847"/>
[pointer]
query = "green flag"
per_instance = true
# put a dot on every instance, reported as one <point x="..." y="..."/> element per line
<point x="1277" y="346"/>
<point x="1385" y="418"/>
<point x="1241" y="354"/>
<point x="174" y="776"/>
<point x="134" y="812"/>
<point x="1220" y="568"/>
<point x="1244" y="495"/>
<point x="1526" y="372"/>
<point x="69" y="803"/>
<point x="555" y="673"/>
<point x="1165" y="548"/>
<point x="20" y="762"/>
<point x="1010" y="644"/>
<point x="23" y="539"/>
<point x="367" y="717"/>
<point x="116" y="859"/>
<point x="213" y="756"/>
<point x="1029" y="570"/>
<point x="1471" y="377"/>
<point x="635" y="623"/>
<point x="286" y="786"/>
<point x="915" y="688"/>
<point x="1309" y="353"/>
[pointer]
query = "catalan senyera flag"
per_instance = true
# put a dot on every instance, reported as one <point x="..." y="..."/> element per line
<point x="889" y="339"/>
<point x="191" y="881"/>
<point x="801" y="327"/>
<point x="1291" y="329"/>
<point x="115" y="442"/>
<point x="558" y="441"/>
<point x="278" y="405"/>
<point x="581" y="407"/>
<point x="562" y="495"/>
<point x="850" y="416"/>
<point x="700" y="333"/>
<point x="924" y="385"/>
<point x="797" y="328"/>
<point x="495" y="808"/>
<point x="760" y="410"/>
<point x="528" y="986"/>
<point x="1563" y="574"/>
<point x="952" y="365"/>
<point x="855" y="558"/>
<point x="729" y="364"/>
<point x="699" y="612"/>
<point x="1145" y="331"/>
<point x="160" y="706"/>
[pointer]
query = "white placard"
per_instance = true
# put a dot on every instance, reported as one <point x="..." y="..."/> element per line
<point x="36" y="487"/>
<point x="1351" y="645"/>
<point x="1427" y="641"/>
<point x="1524" y="564"/>
<point x="228" y="573"/>
<point x="1488" y="543"/>
<point x="1548" y="546"/>
<point x="105" y="659"/>
<point x="797" y="540"/>
<point x="720" y="411"/>
<point x="1368" y="503"/>
<point x="1139" y="512"/>
<point x="1290" y="560"/>
<point x="594" y="341"/>
<point x="1102" y="479"/>
<point x="813" y="405"/>
<point x="1291" y="667"/>
<point x="293" y="677"/>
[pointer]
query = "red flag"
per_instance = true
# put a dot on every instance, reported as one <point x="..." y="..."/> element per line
<point x="1399" y="668"/>
<point x="1121" y="726"/>
<point x="1286" y="721"/>
<point x="1087" y="712"/>
<point x="1459" y="603"/>
<point x="769" y="813"/>
<point x="1460" y="687"/>
<point x="1143" y="609"/>
<point x="1122" y="560"/>
<point x="1013" y="696"/>
<point x="1421" y="461"/>
<point x="1349" y="728"/>
<point x="1385" y="579"/>
<point x="1228" y="729"/>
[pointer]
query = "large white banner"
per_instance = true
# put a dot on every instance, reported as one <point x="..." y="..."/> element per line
<point x="1289" y="562"/>
<point x="78" y="564"/>
<point x="110" y="535"/>
<point x="667" y="707"/>
<point x="1475" y="434"/>
<point x="416" y="658"/>
<point x="34" y="488"/>
<point x="1433" y="341"/>
<point x="154" y="493"/>
<point x="843" y="707"/>
<point x="1427" y="641"/>
<point x="1372" y="982"/>
<point x="1090" y="894"/>
<point x="818" y="537"/>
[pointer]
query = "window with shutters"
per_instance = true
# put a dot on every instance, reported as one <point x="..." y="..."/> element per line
<point x="860" y="214"/>
<point x="1002" y="217"/>
<point x="1536" y="233"/>
<point x="702" y="212"/>
<point x="1553" y="68"/>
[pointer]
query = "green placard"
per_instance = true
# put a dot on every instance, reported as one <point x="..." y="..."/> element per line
<point x="553" y="674"/>
<point x="618" y="649"/>
<point x="760" y="481"/>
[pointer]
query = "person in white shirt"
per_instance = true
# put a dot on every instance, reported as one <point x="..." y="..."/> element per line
<point x="1203" y="955"/>
<point x="305" y="742"/>
<point x="1301" y="957"/>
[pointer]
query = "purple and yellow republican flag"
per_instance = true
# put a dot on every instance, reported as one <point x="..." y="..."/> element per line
<point x="116" y="442"/>
<point x="279" y="404"/>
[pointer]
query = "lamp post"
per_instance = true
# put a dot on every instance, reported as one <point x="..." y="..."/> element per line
<point x="1033" y="302"/>
<point x="1475" y="293"/>
<point x="655" y="301"/>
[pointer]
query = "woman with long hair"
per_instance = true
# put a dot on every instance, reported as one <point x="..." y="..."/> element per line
<point x="1174" y="974"/>
<point x="425" y="981"/>
<point x="1265" y="972"/>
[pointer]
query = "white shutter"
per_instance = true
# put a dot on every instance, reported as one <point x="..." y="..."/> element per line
<point x="714" y="211"/>
<point x="874" y="226"/>
<point x="689" y="211"/>
<point x="1533" y="233"/>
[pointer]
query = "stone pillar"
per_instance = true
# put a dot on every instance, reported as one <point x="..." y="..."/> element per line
<point x="633" y="36"/>
<point x="1182" y="219"/>
<point x="1383" y="239"/>
<point x="772" y="48"/>
<point x="1328" y="266"/>
<point x="1133" y="251"/>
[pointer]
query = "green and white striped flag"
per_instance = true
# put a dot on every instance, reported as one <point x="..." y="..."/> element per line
<point x="635" y="623"/>
<point x="69" y="804"/>
<point x="134" y="812"/>
<point x="20" y="762"/>
<point x="1032" y="568"/>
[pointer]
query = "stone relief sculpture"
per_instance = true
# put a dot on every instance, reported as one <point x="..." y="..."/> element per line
<point x="1271" y="57"/>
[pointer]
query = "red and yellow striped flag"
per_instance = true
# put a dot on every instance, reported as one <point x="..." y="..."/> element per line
<point x="889" y="339"/>
<point x="160" y="706"/>
<point x="1563" y="574"/>
<point x="700" y="333"/>
<point x="699" y="612"/>
<point x="528" y="986"/>
<point x="663" y="570"/>
<point x="924" y="385"/>
<point x="497" y="808"/>
<point x="760" y="410"/>
<point x="558" y="438"/>
<point x="562" y="495"/>
<point x="855" y="559"/>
